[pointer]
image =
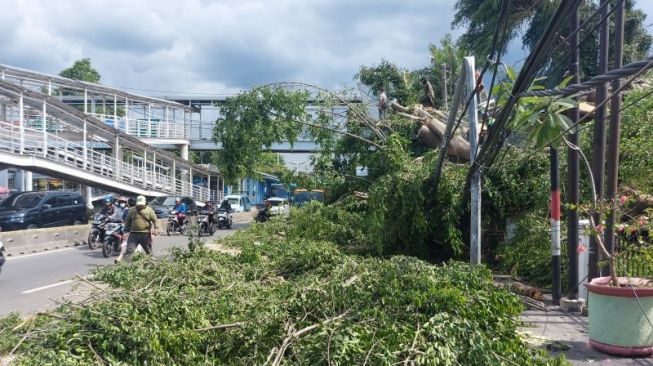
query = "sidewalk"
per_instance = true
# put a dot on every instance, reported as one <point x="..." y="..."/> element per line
<point x="566" y="333"/>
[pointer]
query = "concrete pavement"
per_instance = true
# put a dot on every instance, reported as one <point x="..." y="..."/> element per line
<point x="566" y="333"/>
<point x="29" y="282"/>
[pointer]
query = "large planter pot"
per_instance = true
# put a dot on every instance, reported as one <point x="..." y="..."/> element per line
<point x="617" y="322"/>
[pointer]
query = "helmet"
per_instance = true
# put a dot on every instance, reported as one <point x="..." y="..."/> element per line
<point x="108" y="200"/>
<point x="122" y="199"/>
<point x="177" y="199"/>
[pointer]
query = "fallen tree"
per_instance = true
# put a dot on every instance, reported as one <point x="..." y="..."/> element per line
<point x="284" y="298"/>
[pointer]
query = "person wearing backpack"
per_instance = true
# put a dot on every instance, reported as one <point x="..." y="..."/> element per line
<point x="140" y="225"/>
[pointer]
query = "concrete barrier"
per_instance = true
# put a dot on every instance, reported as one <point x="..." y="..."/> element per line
<point x="38" y="240"/>
<point x="23" y="242"/>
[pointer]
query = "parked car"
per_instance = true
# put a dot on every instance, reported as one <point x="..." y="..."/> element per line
<point x="32" y="210"/>
<point x="162" y="205"/>
<point x="279" y="206"/>
<point x="238" y="203"/>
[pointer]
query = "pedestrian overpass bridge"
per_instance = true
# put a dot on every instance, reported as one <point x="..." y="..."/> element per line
<point x="41" y="133"/>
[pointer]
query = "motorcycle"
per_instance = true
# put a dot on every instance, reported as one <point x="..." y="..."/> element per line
<point x="114" y="235"/>
<point x="224" y="219"/>
<point x="207" y="225"/>
<point x="174" y="225"/>
<point x="98" y="231"/>
<point x="2" y="255"/>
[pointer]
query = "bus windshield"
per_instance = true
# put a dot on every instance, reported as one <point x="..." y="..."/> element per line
<point x="301" y="197"/>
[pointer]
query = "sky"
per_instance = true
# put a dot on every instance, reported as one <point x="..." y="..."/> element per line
<point x="203" y="46"/>
<point x="219" y="47"/>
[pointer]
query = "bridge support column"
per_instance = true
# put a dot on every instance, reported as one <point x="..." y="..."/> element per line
<point x="208" y="186"/>
<point x="4" y="178"/>
<point x="173" y="177"/>
<point x="44" y="127"/>
<point x="27" y="181"/>
<point x="190" y="181"/>
<point x="184" y="149"/>
<point x="144" y="168"/>
<point x="87" y="193"/>
<point x="21" y="123"/>
<point x="117" y="155"/>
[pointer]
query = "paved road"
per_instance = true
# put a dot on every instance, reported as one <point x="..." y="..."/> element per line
<point x="28" y="283"/>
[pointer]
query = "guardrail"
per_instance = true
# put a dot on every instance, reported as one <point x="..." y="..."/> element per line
<point x="22" y="242"/>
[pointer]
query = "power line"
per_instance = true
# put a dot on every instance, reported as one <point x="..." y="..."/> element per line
<point x="496" y="135"/>
<point x="534" y="153"/>
<point x="630" y="69"/>
<point x="570" y="53"/>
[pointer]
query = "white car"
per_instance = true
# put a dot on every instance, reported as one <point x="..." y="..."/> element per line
<point x="280" y="206"/>
<point x="238" y="203"/>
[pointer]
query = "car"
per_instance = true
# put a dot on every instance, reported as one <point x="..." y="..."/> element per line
<point x="239" y="203"/>
<point x="33" y="210"/>
<point x="163" y="204"/>
<point x="279" y="206"/>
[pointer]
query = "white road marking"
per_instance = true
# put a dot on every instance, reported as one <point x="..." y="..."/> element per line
<point x="46" y="287"/>
<point x="19" y="256"/>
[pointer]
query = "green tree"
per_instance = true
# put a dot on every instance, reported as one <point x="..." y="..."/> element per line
<point x="449" y="54"/>
<point x="395" y="80"/>
<point x="636" y="165"/>
<point x="251" y="122"/>
<point x="82" y="70"/>
<point x="637" y="40"/>
<point x="481" y="17"/>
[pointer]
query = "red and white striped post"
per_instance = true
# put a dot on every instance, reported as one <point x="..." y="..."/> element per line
<point x="555" y="224"/>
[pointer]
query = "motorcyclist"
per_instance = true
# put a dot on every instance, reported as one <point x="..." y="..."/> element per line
<point x="210" y="211"/>
<point x="225" y="205"/>
<point x="119" y="213"/>
<point x="181" y="209"/>
<point x="109" y="208"/>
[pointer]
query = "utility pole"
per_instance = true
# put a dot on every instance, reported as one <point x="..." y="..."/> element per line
<point x="444" y="86"/>
<point x="475" y="213"/>
<point x="615" y="126"/>
<point x="598" y="141"/>
<point x="573" y="166"/>
<point x="555" y="223"/>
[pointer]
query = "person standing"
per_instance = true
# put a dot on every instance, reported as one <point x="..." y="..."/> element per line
<point x="140" y="225"/>
<point x="383" y="103"/>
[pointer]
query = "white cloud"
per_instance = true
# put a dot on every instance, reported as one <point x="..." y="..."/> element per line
<point x="219" y="46"/>
<point x="206" y="46"/>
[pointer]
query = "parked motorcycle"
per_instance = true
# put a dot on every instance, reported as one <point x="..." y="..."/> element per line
<point x="174" y="225"/>
<point x="207" y="225"/>
<point x="224" y="219"/>
<point x="115" y="232"/>
<point x="2" y="255"/>
<point x="98" y="231"/>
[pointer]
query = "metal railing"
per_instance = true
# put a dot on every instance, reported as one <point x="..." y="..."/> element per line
<point x="143" y="128"/>
<point x="73" y="154"/>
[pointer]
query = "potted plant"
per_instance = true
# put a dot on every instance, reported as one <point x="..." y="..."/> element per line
<point x="621" y="306"/>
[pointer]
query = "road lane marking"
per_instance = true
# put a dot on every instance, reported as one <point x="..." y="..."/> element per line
<point x="18" y="256"/>
<point x="46" y="287"/>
